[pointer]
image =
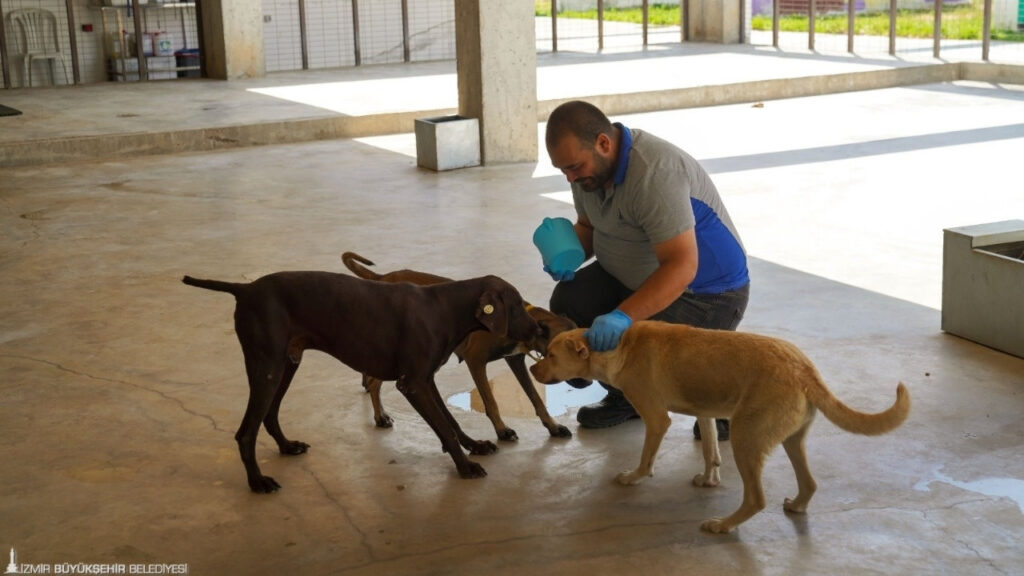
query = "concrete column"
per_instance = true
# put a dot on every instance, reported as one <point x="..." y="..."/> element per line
<point x="716" y="21"/>
<point x="496" y="57"/>
<point x="233" y="39"/>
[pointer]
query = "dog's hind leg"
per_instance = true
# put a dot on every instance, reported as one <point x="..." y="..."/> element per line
<point x="263" y="383"/>
<point x="750" y="452"/>
<point x="286" y="446"/>
<point x="518" y="365"/>
<point x="712" y="457"/>
<point x="418" y="394"/>
<point x="806" y="485"/>
<point x="380" y="417"/>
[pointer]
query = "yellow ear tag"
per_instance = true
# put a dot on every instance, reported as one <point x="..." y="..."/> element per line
<point x="488" y="309"/>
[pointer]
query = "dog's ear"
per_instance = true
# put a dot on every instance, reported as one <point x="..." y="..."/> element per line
<point x="581" y="348"/>
<point x="492" y="314"/>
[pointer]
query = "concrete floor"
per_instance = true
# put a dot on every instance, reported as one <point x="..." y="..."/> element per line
<point x="122" y="388"/>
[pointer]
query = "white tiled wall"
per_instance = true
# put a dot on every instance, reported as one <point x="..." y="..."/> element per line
<point x="330" y="39"/>
<point x="329" y="26"/>
<point x="432" y="30"/>
<point x="282" y="44"/>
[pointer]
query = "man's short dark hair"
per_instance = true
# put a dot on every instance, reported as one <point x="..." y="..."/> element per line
<point x="577" y="117"/>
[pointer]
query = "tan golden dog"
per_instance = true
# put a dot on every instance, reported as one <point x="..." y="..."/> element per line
<point x="767" y="388"/>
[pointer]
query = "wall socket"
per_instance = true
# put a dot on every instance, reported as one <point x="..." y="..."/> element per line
<point x="266" y="18"/>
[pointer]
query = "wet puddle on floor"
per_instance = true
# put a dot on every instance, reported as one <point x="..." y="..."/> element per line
<point x="1011" y="488"/>
<point x="512" y="401"/>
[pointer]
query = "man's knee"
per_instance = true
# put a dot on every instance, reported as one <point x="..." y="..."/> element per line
<point x="558" y="303"/>
<point x="565" y="299"/>
<point x="591" y="293"/>
<point x="579" y="301"/>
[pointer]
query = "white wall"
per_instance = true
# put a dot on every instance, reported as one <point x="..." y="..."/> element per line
<point x="330" y="38"/>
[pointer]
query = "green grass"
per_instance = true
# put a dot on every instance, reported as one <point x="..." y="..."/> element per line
<point x="657" y="14"/>
<point x="958" y="22"/>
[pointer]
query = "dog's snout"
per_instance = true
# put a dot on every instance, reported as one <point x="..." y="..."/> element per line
<point x="541" y="373"/>
<point x="537" y="374"/>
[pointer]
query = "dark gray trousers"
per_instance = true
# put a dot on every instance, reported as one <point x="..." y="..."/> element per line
<point x="594" y="292"/>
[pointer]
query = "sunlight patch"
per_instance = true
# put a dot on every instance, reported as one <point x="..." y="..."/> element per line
<point x="565" y="196"/>
<point x="376" y="96"/>
<point x="404" y="144"/>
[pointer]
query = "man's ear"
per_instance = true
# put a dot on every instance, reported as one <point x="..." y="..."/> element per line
<point x="603" y="145"/>
<point x="492" y="314"/>
<point x="580" y="347"/>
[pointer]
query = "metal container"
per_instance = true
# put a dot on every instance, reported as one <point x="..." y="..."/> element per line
<point x="447" y="142"/>
<point x="982" y="284"/>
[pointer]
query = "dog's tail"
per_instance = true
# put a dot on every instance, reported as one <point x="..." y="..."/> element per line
<point x="233" y="288"/>
<point x="352" y="262"/>
<point x="859" y="422"/>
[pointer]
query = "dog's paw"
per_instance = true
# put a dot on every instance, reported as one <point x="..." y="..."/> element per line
<point x="705" y="481"/>
<point x="294" y="448"/>
<point x="482" y="447"/>
<point x="790" y="505"/>
<point x="508" y="435"/>
<point x="630" y="478"/>
<point x="560" y="432"/>
<point x="384" y="421"/>
<point x="472" y="470"/>
<point x="264" y="485"/>
<point x="715" y="526"/>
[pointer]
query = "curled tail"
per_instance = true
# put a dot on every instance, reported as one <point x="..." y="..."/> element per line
<point x="229" y="287"/>
<point x="859" y="422"/>
<point x="352" y="262"/>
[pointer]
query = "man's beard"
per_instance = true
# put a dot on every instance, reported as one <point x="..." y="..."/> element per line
<point x="603" y="173"/>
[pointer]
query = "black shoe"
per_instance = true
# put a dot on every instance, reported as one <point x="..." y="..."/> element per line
<point x="612" y="410"/>
<point x="579" y="382"/>
<point x="721" y="425"/>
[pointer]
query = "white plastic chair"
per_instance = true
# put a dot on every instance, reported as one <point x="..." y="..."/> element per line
<point x="35" y="38"/>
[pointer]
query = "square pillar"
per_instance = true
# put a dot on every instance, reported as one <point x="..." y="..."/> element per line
<point x="233" y="39"/>
<point x="715" y="21"/>
<point x="496" y="61"/>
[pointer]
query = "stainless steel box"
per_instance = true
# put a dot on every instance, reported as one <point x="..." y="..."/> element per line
<point x="447" y="142"/>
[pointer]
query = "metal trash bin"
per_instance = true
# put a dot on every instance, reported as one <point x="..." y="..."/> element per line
<point x="447" y="142"/>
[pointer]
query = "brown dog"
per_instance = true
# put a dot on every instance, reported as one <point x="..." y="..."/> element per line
<point x="397" y="331"/>
<point x="767" y="388"/>
<point x="477" y="350"/>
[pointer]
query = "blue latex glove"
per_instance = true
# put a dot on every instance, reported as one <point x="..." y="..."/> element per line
<point x="607" y="329"/>
<point x="563" y="276"/>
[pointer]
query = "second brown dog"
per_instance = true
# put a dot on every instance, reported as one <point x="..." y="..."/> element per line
<point x="477" y="350"/>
